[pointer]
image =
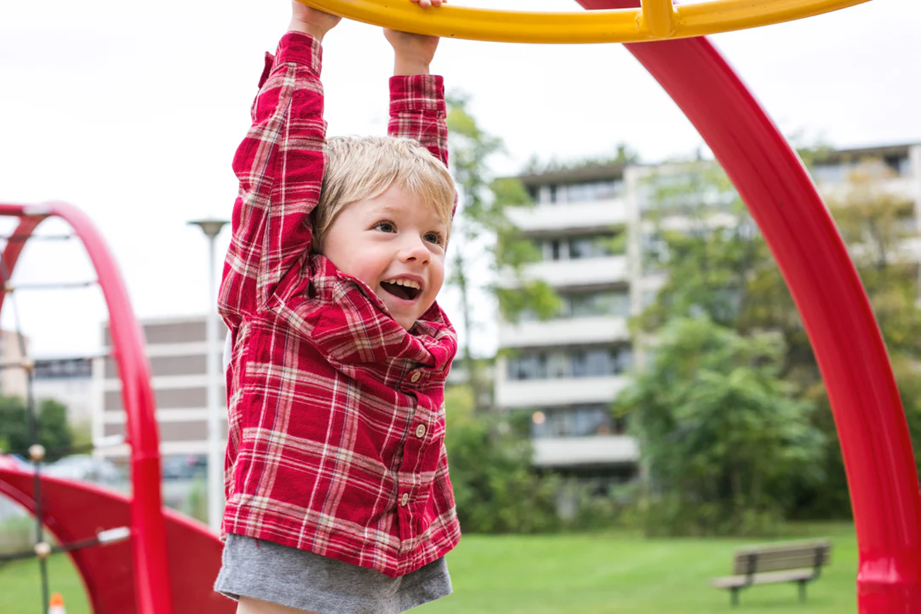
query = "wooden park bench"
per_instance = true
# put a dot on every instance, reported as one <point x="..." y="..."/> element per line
<point x="799" y="562"/>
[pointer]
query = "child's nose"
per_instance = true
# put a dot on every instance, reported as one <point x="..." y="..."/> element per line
<point x="415" y="251"/>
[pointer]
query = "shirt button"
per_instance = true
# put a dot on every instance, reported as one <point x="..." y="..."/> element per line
<point x="405" y="499"/>
<point x="420" y="431"/>
<point x="415" y="377"/>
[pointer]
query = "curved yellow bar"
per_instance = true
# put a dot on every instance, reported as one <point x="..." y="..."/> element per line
<point x="656" y="20"/>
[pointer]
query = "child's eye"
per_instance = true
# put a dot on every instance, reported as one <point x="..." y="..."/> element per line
<point x="385" y="227"/>
<point x="434" y="237"/>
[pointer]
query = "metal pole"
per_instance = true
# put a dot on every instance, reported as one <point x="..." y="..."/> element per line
<point x="216" y="444"/>
<point x="215" y="439"/>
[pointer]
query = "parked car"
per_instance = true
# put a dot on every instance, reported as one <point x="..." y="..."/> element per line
<point x="84" y="467"/>
<point x="184" y="467"/>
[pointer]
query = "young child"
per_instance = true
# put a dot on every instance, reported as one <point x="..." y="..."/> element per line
<point x="338" y="497"/>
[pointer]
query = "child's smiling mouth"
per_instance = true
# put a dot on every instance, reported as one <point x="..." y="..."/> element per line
<point x="405" y="289"/>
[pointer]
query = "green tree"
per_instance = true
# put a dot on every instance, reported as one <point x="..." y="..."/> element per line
<point x="53" y="431"/>
<point x="484" y="238"/>
<point x="722" y="437"/>
<point x="727" y="272"/>
<point x="495" y="488"/>
<point x="623" y="155"/>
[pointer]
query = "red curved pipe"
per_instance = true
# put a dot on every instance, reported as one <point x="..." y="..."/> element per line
<point x="152" y="585"/>
<point x="830" y="297"/>
<point x="14" y="248"/>
<point x="76" y="510"/>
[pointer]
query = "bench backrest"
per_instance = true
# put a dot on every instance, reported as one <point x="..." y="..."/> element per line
<point x="778" y="557"/>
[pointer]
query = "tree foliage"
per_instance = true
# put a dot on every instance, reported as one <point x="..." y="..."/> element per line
<point x="495" y="488"/>
<point x="623" y="154"/>
<point x="53" y="431"/>
<point x="721" y="435"/>
<point x="725" y="271"/>
<point x="485" y="240"/>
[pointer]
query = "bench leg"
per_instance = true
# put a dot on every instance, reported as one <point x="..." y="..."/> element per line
<point x="735" y="596"/>
<point x="802" y="591"/>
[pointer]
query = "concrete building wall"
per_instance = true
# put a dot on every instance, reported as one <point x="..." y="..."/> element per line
<point x="68" y="381"/>
<point x="542" y="369"/>
<point x="13" y="380"/>
<point x="177" y="350"/>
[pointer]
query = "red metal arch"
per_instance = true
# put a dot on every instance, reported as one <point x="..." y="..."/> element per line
<point x="74" y="511"/>
<point x="830" y="297"/>
<point x="73" y="508"/>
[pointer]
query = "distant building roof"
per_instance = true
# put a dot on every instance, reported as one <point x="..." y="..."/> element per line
<point x="602" y="172"/>
<point x="584" y="174"/>
<point x="876" y="151"/>
<point x="64" y="368"/>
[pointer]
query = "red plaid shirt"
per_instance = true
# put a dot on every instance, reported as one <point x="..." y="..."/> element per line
<point x="336" y="440"/>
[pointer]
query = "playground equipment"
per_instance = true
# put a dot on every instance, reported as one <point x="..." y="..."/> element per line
<point x="169" y="562"/>
<point x="783" y="201"/>
<point x="654" y="20"/>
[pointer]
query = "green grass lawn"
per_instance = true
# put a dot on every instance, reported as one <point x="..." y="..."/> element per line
<point x="21" y="588"/>
<point x="584" y="574"/>
<point x="615" y="573"/>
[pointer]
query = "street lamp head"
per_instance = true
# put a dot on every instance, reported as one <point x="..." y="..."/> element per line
<point x="210" y="227"/>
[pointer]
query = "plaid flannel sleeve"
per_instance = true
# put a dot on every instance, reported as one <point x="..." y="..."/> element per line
<point x="280" y="166"/>
<point x="417" y="111"/>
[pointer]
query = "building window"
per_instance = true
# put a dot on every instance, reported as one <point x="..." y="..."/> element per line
<point x="597" y="246"/>
<point x="65" y="368"/>
<point x="830" y="173"/>
<point x="533" y="366"/>
<point x="575" y="421"/>
<point x="589" y="362"/>
<point x="900" y="165"/>
<point x="654" y="249"/>
<point x="592" y="191"/>
<point x="588" y="304"/>
<point x="584" y="247"/>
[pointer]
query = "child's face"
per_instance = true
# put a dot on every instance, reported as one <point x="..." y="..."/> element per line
<point x="395" y="243"/>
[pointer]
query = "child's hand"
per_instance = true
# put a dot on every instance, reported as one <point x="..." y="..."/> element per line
<point x="412" y="53"/>
<point x="311" y="21"/>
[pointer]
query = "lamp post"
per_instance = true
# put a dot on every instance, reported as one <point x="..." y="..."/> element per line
<point x="212" y="229"/>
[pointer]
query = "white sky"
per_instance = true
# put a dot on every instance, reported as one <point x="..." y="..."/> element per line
<point x="132" y="111"/>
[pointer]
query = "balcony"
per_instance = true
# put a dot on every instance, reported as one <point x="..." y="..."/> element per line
<point x="562" y="217"/>
<point x="572" y="273"/>
<point x="570" y="331"/>
<point x="554" y="392"/>
<point x="565" y="452"/>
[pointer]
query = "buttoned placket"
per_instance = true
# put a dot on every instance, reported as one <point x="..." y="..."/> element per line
<point x="413" y="447"/>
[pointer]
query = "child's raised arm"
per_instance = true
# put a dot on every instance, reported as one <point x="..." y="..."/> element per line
<point x="417" y="105"/>
<point x="280" y="166"/>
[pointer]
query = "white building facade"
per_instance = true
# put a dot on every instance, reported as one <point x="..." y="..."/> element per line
<point x="68" y="381"/>
<point x="177" y="350"/>
<point x="595" y="232"/>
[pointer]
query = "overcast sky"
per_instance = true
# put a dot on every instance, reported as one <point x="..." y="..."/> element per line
<point x="132" y="111"/>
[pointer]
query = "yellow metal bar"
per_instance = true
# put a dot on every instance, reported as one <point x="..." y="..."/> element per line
<point x="613" y="26"/>
<point x="731" y="15"/>
<point x="658" y="18"/>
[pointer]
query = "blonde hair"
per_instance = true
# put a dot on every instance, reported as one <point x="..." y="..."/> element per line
<point x="365" y="167"/>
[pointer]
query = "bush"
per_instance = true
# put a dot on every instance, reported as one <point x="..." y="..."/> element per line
<point x="17" y="534"/>
<point x="495" y="487"/>
<point x="724" y="441"/>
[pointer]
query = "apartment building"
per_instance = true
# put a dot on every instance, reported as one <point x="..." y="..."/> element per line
<point x="177" y="350"/>
<point x="68" y="381"/>
<point x="597" y="230"/>
<point x="13" y="380"/>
